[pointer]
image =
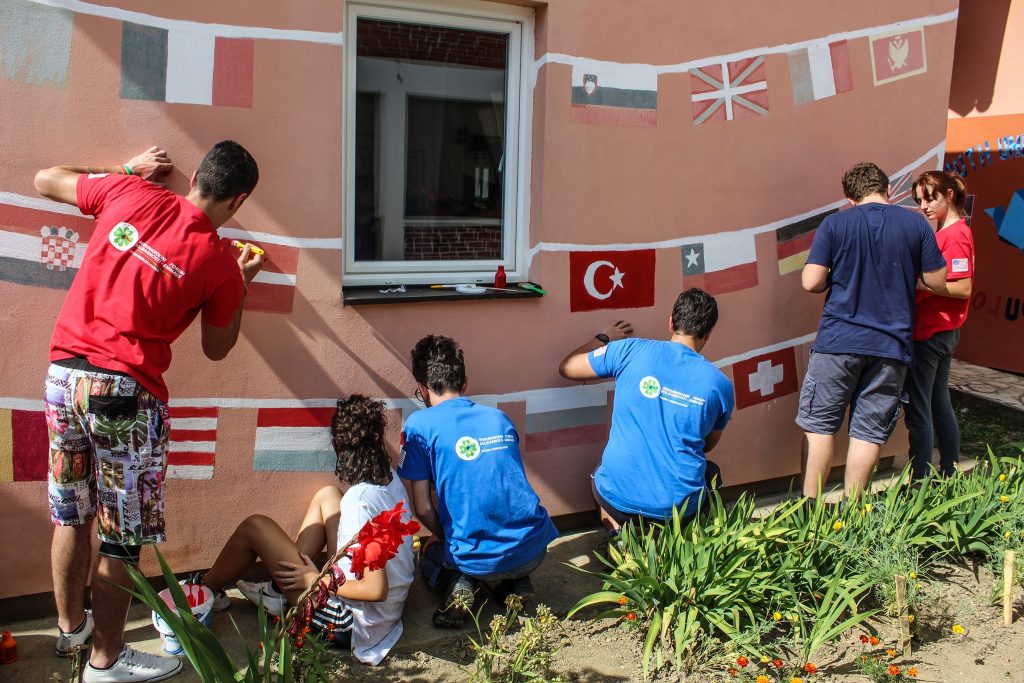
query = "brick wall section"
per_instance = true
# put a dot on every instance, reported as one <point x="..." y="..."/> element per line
<point x="452" y="243"/>
<point x="416" y="42"/>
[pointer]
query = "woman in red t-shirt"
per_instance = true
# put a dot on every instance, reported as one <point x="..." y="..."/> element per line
<point x="937" y="320"/>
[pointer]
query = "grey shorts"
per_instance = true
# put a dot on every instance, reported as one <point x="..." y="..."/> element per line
<point x="871" y="386"/>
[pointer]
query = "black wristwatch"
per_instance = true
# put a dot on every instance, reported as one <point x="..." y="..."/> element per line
<point x="602" y="337"/>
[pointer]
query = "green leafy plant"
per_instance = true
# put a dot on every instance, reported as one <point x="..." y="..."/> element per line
<point x="507" y="656"/>
<point x="879" y="665"/>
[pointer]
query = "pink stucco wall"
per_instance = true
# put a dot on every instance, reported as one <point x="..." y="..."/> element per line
<point x="591" y="186"/>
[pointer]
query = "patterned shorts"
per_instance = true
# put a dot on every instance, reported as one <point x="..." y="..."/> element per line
<point x="108" y="454"/>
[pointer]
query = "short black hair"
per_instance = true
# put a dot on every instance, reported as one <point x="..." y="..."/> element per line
<point x="695" y="313"/>
<point x="438" y="364"/>
<point x="227" y="171"/>
<point x="863" y="179"/>
<point x="357" y="433"/>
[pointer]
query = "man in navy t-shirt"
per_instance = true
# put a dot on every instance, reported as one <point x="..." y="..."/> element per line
<point x="488" y="522"/>
<point x="869" y="259"/>
<point x="671" y="406"/>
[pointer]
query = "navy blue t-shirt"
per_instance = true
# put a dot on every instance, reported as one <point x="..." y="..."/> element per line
<point x="492" y="520"/>
<point x="876" y="253"/>
<point x="668" y="398"/>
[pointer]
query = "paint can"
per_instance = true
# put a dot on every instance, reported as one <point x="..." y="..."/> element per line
<point x="200" y="599"/>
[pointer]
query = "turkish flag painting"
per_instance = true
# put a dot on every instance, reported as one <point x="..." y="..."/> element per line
<point x="766" y="377"/>
<point x="898" y="55"/>
<point x="611" y="279"/>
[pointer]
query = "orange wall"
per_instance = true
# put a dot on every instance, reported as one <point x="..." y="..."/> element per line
<point x="591" y="185"/>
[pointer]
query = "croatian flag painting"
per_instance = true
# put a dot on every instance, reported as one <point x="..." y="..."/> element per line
<point x="730" y="90"/>
<point x="614" y="95"/>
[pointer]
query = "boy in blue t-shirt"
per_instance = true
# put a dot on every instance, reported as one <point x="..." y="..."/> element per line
<point x="488" y="523"/>
<point x="671" y="406"/>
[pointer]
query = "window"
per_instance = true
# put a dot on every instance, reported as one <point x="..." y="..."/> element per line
<point x="437" y="112"/>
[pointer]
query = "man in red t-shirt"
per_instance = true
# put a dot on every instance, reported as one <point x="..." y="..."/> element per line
<point x="154" y="263"/>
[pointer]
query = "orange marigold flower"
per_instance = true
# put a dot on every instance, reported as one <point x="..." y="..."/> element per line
<point x="810" y="668"/>
<point x="912" y="672"/>
<point x="777" y="663"/>
<point x="891" y="652"/>
<point x="763" y="679"/>
<point x="796" y="679"/>
<point x="623" y="600"/>
<point x="863" y="638"/>
<point x="631" y="616"/>
<point x="893" y="670"/>
<point x="742" y="661"/>
<point x="732" y="671"/>
<point x="874" y="640"/>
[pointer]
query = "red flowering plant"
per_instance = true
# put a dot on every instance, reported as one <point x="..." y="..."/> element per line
<point x="770" y="670"/>
<point x="878" y="663"/>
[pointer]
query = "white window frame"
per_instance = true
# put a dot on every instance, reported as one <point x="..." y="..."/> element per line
<point x="518" y="22"/>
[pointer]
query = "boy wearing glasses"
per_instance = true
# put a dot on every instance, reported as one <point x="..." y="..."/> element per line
<point x="487" y="521"/>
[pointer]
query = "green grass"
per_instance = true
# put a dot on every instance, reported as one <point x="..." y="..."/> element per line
<point x="983" y="424"/>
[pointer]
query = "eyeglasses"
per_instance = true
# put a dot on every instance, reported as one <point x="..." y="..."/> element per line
<point x="418" y="395"/>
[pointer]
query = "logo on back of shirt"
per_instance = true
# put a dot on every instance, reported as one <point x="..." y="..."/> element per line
<point x="650" y="387"/>
<point x="123" y="236"/>
<point x="467" y="448"/>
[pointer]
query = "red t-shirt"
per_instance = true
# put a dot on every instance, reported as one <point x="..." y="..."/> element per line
<point x="935" y="313"/>
<point x="153" y="263"/>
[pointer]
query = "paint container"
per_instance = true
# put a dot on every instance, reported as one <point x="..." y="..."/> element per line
<point x="200" y="599"/>
<point x="500" y="278"/>
<point x="8" y="649"/>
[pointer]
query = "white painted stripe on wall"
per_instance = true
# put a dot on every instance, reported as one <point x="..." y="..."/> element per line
<point x="192" y="446"/>
<point x="274" y="278"/>
<point x="284" y="240"/>
<point x="225" y="30"/>
<point x="611" y="75"/>
<point x="823" y="79"/>
<point x="190" y="471"/>
<point x="728" y="249"/>
<point x="192" y="423"/>
<point x="10" y="403"/>
<point x="293" y="438"/>
<point x="731" y="360"/>
<point x="190" y="66"/>
<point x="638" y="70"/>
<point x="16" y="245"/>
<point x="566" y="398"/>
<point x="39" y="203"/>
<point x="937" y="152"/>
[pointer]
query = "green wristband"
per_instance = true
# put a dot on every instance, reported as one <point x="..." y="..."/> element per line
<point x="127" y="169"/>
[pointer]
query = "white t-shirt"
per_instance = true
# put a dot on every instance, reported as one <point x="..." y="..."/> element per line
<point x="377" y="626"/>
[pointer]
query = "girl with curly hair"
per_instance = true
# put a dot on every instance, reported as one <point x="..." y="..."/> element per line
<point x="365" y="615"/>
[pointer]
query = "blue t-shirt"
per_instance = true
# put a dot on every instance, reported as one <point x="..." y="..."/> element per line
<point x="668" y="398"/>
<point x="876" y="253"/>
<point x="492" y="519"/>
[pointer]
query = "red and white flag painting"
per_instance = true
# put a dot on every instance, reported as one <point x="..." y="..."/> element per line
<point x="730" y="90"/>
<point x="615" y="95"/>
<point x="193" y="445"/>
<point x="765" y="377"/>
<point x="898" y="55"/>
<point x="294" y="440"/>
<point x="720" y="263"/>
<point x="273" y="288"/>
<point x="611" y="279"/>
<point x="41" y="248"/>
<point x="24" y="445"/>
<point x="820" y="70"/>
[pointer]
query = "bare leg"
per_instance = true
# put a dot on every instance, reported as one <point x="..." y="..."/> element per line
<point x="70" y="558"/>
<point x="861" y="459"/>
<point x="320" y="525"/>
<point x="257" y="537"/>
<point x="819" y="462"/>
<point x="109" y="611"/>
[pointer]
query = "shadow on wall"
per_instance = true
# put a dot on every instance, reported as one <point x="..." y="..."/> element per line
<point x="980" y="30"/>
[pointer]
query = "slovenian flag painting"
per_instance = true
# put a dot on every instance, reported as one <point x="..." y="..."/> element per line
<point x="614" y="95"/>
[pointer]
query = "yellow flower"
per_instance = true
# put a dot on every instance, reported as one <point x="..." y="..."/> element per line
<point x="891" y="652"/>
<point x="917" y="585"/>
<point x="913" y="575"/>
<point x="796" y="679"/>
<point x="776" y="616"/>
<point x="764" y="660"/>
<point x="867" y="508"/>
<point x="1004" y="499"/>
<point x="1002" y="477"/>
<point x="959" y="630"/>
<point x="763" y="679"/>
<point x="1008" y="534"/>
<point x="793" y="617"/>
<point x="910" y="618"/>
<point x="838" y="525"/>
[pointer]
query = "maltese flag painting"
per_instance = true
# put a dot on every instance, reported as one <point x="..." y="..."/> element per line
<point x="611" y="279"/>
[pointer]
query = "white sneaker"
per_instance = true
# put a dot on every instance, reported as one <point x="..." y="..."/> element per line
<point x="221" y="601"/>
<point x="80" y="636"/>
<point x="134" y="666"/>
<point x="275" y="603"/>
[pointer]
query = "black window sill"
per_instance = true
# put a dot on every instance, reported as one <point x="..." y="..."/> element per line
<point x="372" y="295"/>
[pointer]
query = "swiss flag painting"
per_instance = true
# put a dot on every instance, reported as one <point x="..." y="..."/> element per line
<point x="766" y="377"/>
<point x="611" y="279"/>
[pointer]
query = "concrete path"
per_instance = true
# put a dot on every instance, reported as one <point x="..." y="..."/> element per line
<point x="1002" y="388"/>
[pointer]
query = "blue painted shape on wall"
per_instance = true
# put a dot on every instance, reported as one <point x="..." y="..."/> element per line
<point x="1010" y="221"/>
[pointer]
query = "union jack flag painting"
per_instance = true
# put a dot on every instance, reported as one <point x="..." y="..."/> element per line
<point x="730" y="90"/>
<point x="901" y="186"/>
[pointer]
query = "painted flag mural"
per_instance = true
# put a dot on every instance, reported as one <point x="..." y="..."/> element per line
<point x="41" y="248"/>
<point x="901" y="186"/>
<point x="294" y="440"/>
<point x="720" y="263"/>
<point x="793" y="242"/>
<point x="765" y="377"/>
<point x="24" y="445"/>
<point x="193" y="442"/>
<point x="730" y="90"/>
<point x="614" y="95"/>
<point x="179" y="66"/>
<point x="273" y="288"/>
<point x="611" y="279"/>
<point x="897" y="55"/>
<point x="820" y="70"/>
<point x="35" y="43"/>
<point x="566" y="426"/>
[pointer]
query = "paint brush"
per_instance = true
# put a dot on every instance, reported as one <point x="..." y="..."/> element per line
<point x="253" y="248"/>
<point x="471" y="284"/>
<point x="532" y="287"/>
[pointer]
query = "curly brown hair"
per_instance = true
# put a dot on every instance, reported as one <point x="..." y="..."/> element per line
<point x="357" y="433"/>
